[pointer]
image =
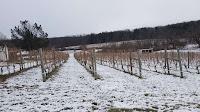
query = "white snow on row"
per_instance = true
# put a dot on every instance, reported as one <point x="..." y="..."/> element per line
<point x="6" y="69"/>
<point x="74" y="89"/>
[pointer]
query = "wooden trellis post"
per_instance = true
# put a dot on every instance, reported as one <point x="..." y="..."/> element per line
<point x="188" y="60"/>
<point x="131" y="65"/>
<point x="54" y="58"/>
<point x="113" y="59"/>
<point x="167" y="62"/>
<point x="121" y="60"/>
<point x="42" y="65"/>
<point x="21" y="60"/>
<point x="94" y="62"/>
<point x="94" y="67"/>
<point x="180" y="64"/>
<point x="30" y="58"/>
<point x="84" y="58"/>
<point x="101" y="60"/>
<point x="140" y="64"/>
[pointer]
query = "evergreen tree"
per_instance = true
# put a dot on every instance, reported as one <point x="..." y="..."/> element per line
<point x="29" y="37"/>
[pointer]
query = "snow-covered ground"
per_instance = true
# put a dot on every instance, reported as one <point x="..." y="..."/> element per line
<point x="191" y="46"/>
<point x="74" y="89"/>
<point x="12" y="68"/>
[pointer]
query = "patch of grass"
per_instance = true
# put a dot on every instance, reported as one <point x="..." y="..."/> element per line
<point x="131" y="110"/>
<point x="198" y="106"/>
<point x="146" y="94"/>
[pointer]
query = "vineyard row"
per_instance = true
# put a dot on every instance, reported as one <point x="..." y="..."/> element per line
<point x="174" y="63"/>
<point x="19" y="60"/>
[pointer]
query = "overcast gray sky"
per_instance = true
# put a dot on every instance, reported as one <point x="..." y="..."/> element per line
<point x="71" y="17"/>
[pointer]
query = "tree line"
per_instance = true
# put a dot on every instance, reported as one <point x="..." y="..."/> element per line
<point x="31" y="36"/>
<point x="187" y="30"/>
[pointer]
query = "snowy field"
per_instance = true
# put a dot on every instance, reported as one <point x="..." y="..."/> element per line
<point x="74" y="89"/>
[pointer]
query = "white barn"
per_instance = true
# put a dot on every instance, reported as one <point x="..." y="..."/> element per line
<point x="3" y="53"/>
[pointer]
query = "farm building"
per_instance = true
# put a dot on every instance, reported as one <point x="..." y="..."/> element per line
<point x="150" y="50"/>
<point x="3" y="53"/>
